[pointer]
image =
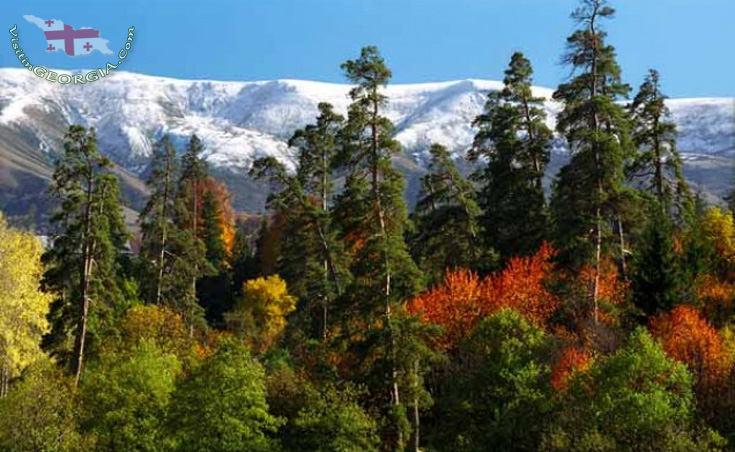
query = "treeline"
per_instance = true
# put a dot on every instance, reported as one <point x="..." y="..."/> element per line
<point x="492" y="317"/>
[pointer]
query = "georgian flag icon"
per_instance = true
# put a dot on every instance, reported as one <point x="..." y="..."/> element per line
<point x="61" y="37"/>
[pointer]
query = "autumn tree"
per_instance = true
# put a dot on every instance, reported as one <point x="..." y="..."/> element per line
<point x="465" y="298"/>
<point x="514" y="140"/>
<point x="259" y="316"/>
<point x="83" y="263"/>
<point x="571" y="360"/>
<point x="688" y="338"/>
<point x="23" y="305"/>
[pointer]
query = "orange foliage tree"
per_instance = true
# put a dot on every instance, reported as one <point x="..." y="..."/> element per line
<point x="464" y="298"/>
<point x="687" y="337"/>
<point x="571" y="360"/>
<point x="223" y="197"/>
<point x="612" y="290"/>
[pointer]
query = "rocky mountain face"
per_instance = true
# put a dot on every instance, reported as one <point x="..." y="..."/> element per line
<point x="241" y="121"/>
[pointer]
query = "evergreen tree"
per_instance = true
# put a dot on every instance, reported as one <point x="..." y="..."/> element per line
<point x="657" y="282"/>
<point x="311" y="258"/>
<point x="188" y="246"/>
<point x="384" y="272"/>
<point x="83" y="264"/>
<point x="446" y="219"/>
<point x="214" y="289"/>
<point x="587" y="193"/>
<point x="157" y="225"/>
<point x="515" y="141"/>
<point x="658" y="163"/>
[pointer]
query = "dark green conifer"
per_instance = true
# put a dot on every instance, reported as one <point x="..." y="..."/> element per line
<point x="514" y="140"/>
<point x="447" y="230"/>
<point x="83" y="264"/>
<point x="585" y="203"/>
<point x="658" y="163"/>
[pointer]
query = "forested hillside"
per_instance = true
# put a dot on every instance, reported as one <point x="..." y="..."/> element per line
<point x="498" y="315"/>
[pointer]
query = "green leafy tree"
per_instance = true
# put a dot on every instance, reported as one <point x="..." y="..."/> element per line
<point x="447" y="230"/>
<point x="514" y="140"/>
<point x="39" y="413"/>
<point x="331" y="420"/>
<point x="502" y="400"/>
<point x="372" y="216"/>
<point x="638" y="399"/>
<point x="221" y="406"/>
<point x="589" y="189"/>
<point x="658" y="163"/>
<point x="83" y="264"/>
<point x="126" y="397"/>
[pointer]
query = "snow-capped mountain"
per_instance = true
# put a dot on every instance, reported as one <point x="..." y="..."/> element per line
<point x="240" y="121"/>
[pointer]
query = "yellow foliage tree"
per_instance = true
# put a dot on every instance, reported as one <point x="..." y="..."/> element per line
<point x="23" y="307"/>
<point x="719" y="228"/>
<point x="259" y="316"/>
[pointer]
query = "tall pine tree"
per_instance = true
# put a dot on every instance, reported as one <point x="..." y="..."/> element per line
<point x="190" y="249"/>
<point x="658" y="164"/>
<point x="374" y="211"/>
<point x="312" y="260"/>
<point x="587" y="193"/>
<point x="515" y="141"/>
<point x="157" y="225"/>
<point x="83" y="264"/>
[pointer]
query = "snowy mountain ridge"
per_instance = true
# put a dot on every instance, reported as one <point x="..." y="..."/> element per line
<point x="241" y="121"/>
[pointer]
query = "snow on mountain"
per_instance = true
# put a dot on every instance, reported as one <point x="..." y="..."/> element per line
<point x="240" y="121"/>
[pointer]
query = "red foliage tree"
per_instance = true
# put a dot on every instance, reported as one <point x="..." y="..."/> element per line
<point x="464" y="298"/>
<point x="687" y="337"/>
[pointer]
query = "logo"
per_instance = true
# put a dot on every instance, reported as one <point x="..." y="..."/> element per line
<point x="74" y="42"/>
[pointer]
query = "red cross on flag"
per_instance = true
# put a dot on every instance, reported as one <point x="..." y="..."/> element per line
<point x="65" y="38"/>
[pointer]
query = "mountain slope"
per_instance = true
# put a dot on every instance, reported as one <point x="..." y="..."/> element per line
<point x="240" y="121"/>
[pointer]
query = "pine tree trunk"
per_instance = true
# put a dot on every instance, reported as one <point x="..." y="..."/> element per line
<point x="621" y="238"/>
<point x="87" y="250"/>
<point x="600" y="191"/>
<point x="325" y="301"/>
<point x="416" y="412"/>
<point x="164" y="229"/>
<point x="395" y="393"/>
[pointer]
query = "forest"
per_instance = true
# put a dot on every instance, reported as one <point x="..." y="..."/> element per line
<point x="500" y="314"/>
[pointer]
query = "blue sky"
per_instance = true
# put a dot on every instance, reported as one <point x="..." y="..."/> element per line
<point x="689" y="41"/>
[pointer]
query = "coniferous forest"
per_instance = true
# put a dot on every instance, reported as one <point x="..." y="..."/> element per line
<point x="499" y="314"/>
